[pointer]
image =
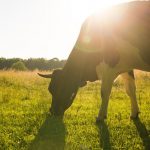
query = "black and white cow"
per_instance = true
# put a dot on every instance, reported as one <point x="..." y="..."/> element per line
<point x="109" y="44"/>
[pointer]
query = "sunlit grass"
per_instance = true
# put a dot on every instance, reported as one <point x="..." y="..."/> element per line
<point x="26" y="124"/>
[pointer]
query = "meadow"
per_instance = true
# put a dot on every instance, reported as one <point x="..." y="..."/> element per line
<point x="25" y="122"/>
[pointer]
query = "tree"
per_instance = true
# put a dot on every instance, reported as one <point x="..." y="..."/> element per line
<point x="19" y="66"/>
<point x="31" y="63"/>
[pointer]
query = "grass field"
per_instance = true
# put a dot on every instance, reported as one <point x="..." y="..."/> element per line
<point x="26" y="124"/>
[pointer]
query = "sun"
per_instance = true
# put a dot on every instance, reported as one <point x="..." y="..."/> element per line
<point x="84" y="8"/>
<point x="100" y="5"/>
<point x="74" y="14"/>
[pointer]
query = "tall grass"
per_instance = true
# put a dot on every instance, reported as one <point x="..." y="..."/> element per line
<point x="26" y="124"/>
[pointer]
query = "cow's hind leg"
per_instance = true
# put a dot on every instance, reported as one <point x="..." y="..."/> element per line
<point x="131" y="91"/>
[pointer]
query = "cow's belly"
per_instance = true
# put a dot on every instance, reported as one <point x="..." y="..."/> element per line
<point x="131" y="57"/>
<point x="138" y="51"/>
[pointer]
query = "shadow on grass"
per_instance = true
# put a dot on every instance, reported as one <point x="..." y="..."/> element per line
<point x="104" y="136"/>
<point x="143" y="133"/>
<point x="51" y="135"/>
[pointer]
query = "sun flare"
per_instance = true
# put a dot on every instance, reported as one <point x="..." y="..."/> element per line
<point x="80" y="10"/>
<point x="34" y="28"/>
<point x="86" y="7"/>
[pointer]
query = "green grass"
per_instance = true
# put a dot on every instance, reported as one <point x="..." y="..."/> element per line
<point x="26" y="124"/>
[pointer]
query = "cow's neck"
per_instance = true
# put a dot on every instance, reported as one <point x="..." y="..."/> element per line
<point x="81" y="65"/>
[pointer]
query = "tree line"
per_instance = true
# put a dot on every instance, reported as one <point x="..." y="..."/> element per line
<point x="31" y="64"/>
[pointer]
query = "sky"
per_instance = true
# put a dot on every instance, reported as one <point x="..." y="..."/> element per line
<point x="43" y="28"/>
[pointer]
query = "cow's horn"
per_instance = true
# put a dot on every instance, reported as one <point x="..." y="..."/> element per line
<point x="45" y="75"/>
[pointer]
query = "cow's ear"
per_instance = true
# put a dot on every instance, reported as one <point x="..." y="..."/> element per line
<point x="83" y="83"/>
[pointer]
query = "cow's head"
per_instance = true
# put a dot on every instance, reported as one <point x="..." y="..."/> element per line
<point x="63" y="90"/>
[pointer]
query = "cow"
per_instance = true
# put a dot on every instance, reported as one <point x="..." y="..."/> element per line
<point x="109" y="44"/>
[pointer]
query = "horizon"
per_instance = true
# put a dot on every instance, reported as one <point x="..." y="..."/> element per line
<point x="43" y="29"/>
<point x="34" y="58"/>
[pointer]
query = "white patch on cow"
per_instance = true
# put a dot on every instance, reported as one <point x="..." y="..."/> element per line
<point x="102" y="69"/>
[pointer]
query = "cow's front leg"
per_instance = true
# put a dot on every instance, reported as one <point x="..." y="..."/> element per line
<point x="106" y="86"/>
<point x="131" y="91"/>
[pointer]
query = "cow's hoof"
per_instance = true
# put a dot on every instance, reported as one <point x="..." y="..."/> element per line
<point x="100" y="120"/>
<point x="135" y="116"/>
